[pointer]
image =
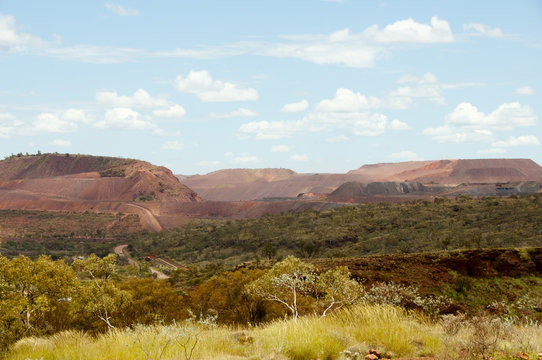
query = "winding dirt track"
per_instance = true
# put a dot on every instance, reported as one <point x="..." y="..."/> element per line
<point x="148" y="220"/>
<point x="120" y="250"/>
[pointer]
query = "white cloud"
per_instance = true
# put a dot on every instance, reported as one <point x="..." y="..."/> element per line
<point x="244" y="159"/>
<point x="76" y="115"/>
<point x="482" y="30"/>
<point x="295" y="107"/>
<point x="449" y="134"/>
<point x="228" y="154"/>
<point x="492" y="151"/>
<point x="505" y="117"/>
<point x="266" y="130"/>
<point x="173" y="145"/>
<point x="342" y="47"/>
<point x="398" y="125"/>
<point x="355" y="123"/>
<point x="6" y="116"/>
<point x="525" y="90"/>
<point x="352" y="52"/>
<point x="50" y="123"/>
<point x="346" y="100"/>
<point x="164" y="133"/>
<point x="61" y="143"/>
<point x="12" y="38"/>
<point x="281" y="148"/>
<point x="299" y="158"/>
<point x="124" y="118"/>
<point x="406" y="155"/>
<point x="201" y="84"/>
<point x="141" y="98"/>
<point x="121" y="10"/>
<point x="174" y="111"/>
<point x="513" y="141"/>
<point x="427" y="78"/>
<point x="425" y="87"/>
<point x="239" y="113"/>
<point x="410" y="31"/>
<point x="467" y="124"/>
<point x="337" y="139"/>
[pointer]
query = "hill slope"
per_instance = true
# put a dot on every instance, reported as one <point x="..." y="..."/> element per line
<point x="98" y="178"/>
<point x="454" y="172"/>
<point x="254" y="184"/>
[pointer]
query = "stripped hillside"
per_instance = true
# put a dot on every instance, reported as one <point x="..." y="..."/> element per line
<point x="258" y="184"/>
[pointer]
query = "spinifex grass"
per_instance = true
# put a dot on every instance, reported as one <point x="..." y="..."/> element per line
<point x="386" y="328"/>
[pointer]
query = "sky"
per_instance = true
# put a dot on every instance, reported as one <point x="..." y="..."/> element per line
<point x="309" y="85"/>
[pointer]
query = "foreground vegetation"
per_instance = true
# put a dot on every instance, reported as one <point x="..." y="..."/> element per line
<point x="52" y="310"/>
<point x="347" y="334"/>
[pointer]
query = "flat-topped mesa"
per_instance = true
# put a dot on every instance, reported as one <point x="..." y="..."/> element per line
<point x="87" y="177"/>
<point x="455" y="172"/>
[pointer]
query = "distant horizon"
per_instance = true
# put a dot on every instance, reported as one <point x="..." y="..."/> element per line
<point x="310" y="85"/>
<point x="262" y="168"/>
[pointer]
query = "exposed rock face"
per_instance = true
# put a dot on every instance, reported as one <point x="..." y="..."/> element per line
<point x="455" y="172"/>
<point x="79" y="177"/>
<point x="352" y="191"/>
<point x="254" y="184"/>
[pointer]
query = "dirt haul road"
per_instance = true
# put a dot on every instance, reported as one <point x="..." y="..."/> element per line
<point x="120" y="250"/>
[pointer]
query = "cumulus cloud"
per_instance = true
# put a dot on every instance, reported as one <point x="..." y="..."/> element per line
<point x="124" y="118"/>
<point x="410" y="31"/>
<point x="295" y="107"/>
<point x="61" y="143"/>
<point x="239" y="113"/>
<point x="140" y="99"/>
<point x="76" y="115"/>
<point x="281" y="148"/>
<point x="51" y="123"/>
<point x="505" y="117"/>
<point x="525" y="90"/>
<point x="173" y="145"/>
<point x="359" y="50"/>
<point x="121" y="10"/>
<point x="406" y="155"/>
<point x="347" y="111"/>
<point x="268" y="130"/>
<point x="355" y="123"/>
<point x="201" y="84"/>
<point x="513" y="141"/>
<point x="413" y="87"/>
<point x="482" y="30"/>
<point x="346" y="100"/>
<point x="299" y="158"/>
<point x="467" y="124"/>
<point x="9" y="126"/>
<point x="351" y="51"/>
<point x="398" y="125"/>
<point x="12" y="38"/>
<point x="173" y="111"/>
<point x="6" y="116"/>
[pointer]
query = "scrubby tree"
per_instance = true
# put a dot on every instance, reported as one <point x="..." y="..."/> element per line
<point x="29" y="291"/>
<point x="335" y="289"/>
<point x="285" y="282"/>
<point x="226" y="294"/>
<point x="99" y="295"/>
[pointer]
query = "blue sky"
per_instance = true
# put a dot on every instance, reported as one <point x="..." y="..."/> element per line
<point x="311" y="85"/>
